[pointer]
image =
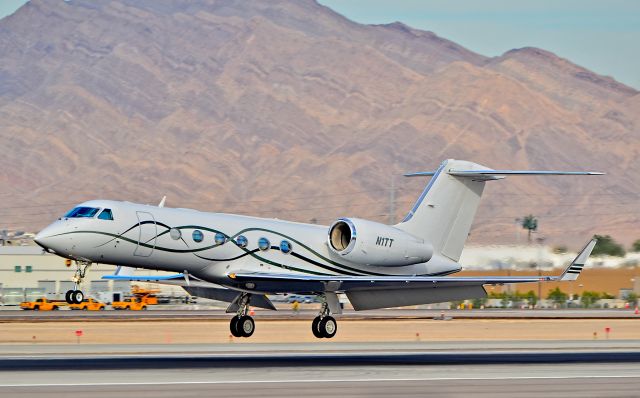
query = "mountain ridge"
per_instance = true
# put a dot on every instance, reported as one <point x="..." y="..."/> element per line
<point x="255" y="107"/>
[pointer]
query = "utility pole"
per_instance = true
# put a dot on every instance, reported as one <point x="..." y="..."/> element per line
<point x="392" y="201"/>
<point x="540" y="255"/>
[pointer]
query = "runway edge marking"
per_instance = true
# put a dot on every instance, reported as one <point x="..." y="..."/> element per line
<point x="302" y="381"/>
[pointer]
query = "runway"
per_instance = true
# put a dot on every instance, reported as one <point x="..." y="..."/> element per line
<point x="513" y="369"/>
<point x="592" y="385"/>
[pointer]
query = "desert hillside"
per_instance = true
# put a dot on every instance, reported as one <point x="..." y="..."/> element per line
<point x="287" y="109"/>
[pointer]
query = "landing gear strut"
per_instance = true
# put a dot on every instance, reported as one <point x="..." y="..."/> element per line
<point x="76" y="296"/>
<point x="324" y="325"/>
<point x="242" y="325"/>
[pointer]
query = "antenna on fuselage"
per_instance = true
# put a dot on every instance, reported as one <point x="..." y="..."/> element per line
<point x="164" y="199"/>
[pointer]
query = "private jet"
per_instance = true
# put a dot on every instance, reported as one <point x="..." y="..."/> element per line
<point x="242" y="260"/>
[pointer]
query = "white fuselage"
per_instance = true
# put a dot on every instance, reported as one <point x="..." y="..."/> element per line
<point x="168" y="239"/>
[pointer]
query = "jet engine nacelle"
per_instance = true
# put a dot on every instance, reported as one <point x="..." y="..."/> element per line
<point x="371" y="243"/>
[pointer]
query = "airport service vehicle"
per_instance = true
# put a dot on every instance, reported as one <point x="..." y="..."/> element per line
<point x="42" y="304"/>
<point x="88" y="305"/>
<point x="147" y="296"/>
<point x="133" y="304"/>
<point x="241" y="259"/>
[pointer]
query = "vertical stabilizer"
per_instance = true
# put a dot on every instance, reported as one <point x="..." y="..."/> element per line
<point x="444" y="212"/>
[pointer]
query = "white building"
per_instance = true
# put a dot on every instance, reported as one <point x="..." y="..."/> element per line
<point x="28" y="272"/>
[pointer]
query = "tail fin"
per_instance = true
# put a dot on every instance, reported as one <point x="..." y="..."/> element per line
<point x="444" y="212"/>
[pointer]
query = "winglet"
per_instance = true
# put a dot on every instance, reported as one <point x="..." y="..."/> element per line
<point x="573" y="270"/>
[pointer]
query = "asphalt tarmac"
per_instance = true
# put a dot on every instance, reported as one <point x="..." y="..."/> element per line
<point x="452" y="369"/>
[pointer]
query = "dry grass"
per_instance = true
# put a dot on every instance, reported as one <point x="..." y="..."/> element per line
<point x="173" y="332"/>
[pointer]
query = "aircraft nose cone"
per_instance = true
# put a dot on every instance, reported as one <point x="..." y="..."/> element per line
<point x="46" y="237"/>
<point x="41" y="239"/>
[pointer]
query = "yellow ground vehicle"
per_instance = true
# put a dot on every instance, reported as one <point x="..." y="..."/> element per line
<point x="147" y="296"/>
<point x="42" y="304"/>
<point x="133" y="304"/>
<point x="88" y="305"/>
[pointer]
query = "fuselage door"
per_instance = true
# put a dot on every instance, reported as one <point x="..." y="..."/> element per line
<point x="148" y="233"/>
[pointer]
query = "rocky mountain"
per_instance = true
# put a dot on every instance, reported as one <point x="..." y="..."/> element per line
<point x="284" y="108"/>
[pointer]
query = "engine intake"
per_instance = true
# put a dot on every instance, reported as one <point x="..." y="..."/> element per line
<point x="371" y="243"/>
<point x="342" y="236"/>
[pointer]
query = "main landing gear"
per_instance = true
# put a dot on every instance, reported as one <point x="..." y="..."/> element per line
<point x="76" y="296"/>
<point x="324" y="325"/>
<point x="242" y="325"/>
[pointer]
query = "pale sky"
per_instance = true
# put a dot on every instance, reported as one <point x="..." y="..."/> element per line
<point x="601" y="35"/>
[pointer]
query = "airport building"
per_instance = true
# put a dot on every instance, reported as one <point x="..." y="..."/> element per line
<point x="28" y="272"/>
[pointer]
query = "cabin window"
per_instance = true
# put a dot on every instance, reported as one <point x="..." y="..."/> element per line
<point x="175" y="233"/>
<point x="82" y="212"/>
<point x="242" y="241"/>
<point x="264" y="244"/>
<point x="106" y="215"/>
<point x="220" y="239"/>
<point x="285" y="247"/>
<point x="197" y="236"/>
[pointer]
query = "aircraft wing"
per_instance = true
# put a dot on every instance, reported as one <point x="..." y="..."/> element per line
<point x="196" y="287"/>
<point x="368" y="292"/>
<point x="310" y="283"/>
<point x="144" y="278"/>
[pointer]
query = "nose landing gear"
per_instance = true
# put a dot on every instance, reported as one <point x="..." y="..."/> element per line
<point x="75" y="296"/>
<point x="242" y="325"/>
<point x="324" y="325"/>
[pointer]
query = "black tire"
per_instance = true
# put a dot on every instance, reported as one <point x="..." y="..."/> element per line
<point x="55" y="308"/>
<point x="233" y="327"/>
<point x="328" y="327"/>
<point x="77" y="296"/>
<point x="315" y="327"/>
<point x="67" y="297"/>
<point x="36" y="308"/>
<point x="101" y="308"/>
<point x="246" y="326"/>
<point x="85" y="308"/>
<point x="144" y="308"/>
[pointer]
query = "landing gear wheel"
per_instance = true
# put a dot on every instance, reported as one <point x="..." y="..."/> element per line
<point x="315" y="327"/>
<point x="77" y="296"/>
<point x="246" y="326"/>
<point x="328" y="327"/>
<point x="233" y="327"/>
<point x="67" y="297"/>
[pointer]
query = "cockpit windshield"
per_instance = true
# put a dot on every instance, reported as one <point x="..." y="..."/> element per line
<point x="82" y="212"/>
<point x="106" y="215"/>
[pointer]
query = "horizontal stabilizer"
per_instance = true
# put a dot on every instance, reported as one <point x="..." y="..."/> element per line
<point x="421" y="174"/>
<point x="497" y="174"/>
